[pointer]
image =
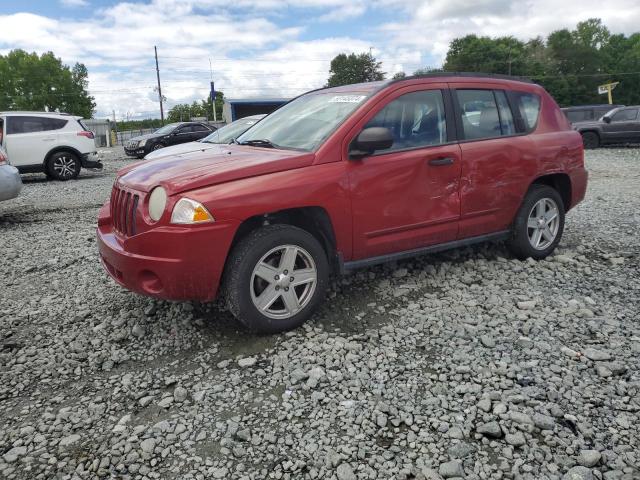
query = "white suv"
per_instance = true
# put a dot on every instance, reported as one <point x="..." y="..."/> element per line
<point x="57" y="144"/>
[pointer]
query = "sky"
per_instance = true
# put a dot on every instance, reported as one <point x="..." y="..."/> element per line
<point x="266" y="48"/>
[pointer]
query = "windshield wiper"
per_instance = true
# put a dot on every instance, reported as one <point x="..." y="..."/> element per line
<point x="259" y="143"/>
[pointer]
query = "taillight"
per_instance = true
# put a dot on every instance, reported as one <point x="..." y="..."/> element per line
<point x="86" y="133"/>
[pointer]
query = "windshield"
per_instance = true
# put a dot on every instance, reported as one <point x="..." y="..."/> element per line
<point x="306" y="122"/>
<point x="231" y="131"/>
<point x="166" y="129"/>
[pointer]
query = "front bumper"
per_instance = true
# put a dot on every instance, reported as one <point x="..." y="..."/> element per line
<point x="90" y="160"/>
<point x="10" y="182"/>
<point x="167" y="262"/>
<point x="134" y="152"/>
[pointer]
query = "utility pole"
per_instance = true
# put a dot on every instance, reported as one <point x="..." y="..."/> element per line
<point x="155" y="49"/>
<point x="213" y="94"/>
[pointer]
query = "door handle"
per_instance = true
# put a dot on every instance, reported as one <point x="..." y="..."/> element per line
<point x="438" y="162"/>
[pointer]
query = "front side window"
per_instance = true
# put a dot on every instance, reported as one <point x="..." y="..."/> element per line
<point x="415" y="119"/>
<point x="304" y="123"/>
<point x="626" y="115"/>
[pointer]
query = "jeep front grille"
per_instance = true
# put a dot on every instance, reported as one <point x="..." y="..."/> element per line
<point x="124" y="206"/>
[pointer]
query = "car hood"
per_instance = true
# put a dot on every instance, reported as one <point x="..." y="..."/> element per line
<point x="591" y="123"/>
<point x="222" y="163"/>
<point x="145" y="137"/>
<point x="179" y="149"/>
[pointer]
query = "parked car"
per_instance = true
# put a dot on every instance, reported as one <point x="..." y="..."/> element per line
<point x="587" y="113"/>
<point x="620" y="125"/>
<point x="56" y="144"/>
<point x="223" y="135"/>
<point x="10" y="182"/>
<point x="343" y="178"/>
<point x="171" y="134"/>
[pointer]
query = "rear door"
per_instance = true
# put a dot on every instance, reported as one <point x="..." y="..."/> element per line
<point x="406" y="197"/>
<point x="199" y="131"/>
<point x="497" y="160"/>
<point x="182" y="134"/>
<point x="30" y="138"/>
<point x="624" y="126"/>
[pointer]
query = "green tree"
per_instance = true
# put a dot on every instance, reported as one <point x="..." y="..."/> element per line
<point x="346" y="69"/>
<point x="185" y="111"/>
<point x="570" y="64"/>
<point x="29" y="81"/>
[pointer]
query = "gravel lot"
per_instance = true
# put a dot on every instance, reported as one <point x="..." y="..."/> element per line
<point x="466" y="364"/>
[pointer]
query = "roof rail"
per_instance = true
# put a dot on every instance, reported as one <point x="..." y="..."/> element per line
<point x="466" y="75"/>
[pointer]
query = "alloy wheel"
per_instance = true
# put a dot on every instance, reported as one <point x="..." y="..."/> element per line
<point x="64" y="166"/>
<point x="543" y="223"/>
<point x="283" y="281"/>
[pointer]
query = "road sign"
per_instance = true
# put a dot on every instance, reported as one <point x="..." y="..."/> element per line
<point x="606" y="89"/>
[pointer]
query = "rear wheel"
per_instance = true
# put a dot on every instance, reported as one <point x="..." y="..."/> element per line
<point x="539" y="223"/>
<point x="275" y="278"/>
<point x="590" y="140"/>
<point x="63" y="166"/>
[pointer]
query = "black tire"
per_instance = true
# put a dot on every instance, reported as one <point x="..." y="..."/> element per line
<point x="520" y="242"/>
<point x="239" y="284"/>
<point x="63" y="166"/>
<point x="590" y="140"/>
<point x="157" y="146"/>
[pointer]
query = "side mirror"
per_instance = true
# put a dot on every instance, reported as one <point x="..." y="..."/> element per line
<point x="370" y="140"/>
<point x="606" y="119"/>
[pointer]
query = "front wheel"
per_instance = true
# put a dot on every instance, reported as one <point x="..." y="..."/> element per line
<point x="63" y="166"/>
<point x="275" y="278"/>
<point x="538" y="226"/>
<point x="590" y="140"/>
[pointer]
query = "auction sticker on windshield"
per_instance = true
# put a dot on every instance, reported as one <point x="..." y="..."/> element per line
<point x="347" y="99"/>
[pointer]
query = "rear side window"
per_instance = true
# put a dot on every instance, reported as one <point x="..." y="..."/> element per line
<point x="480" y="117"/>
<point x="415" y="119"/>
<point x="528" y="105"/>
<point x="507" y="124"/>
<point x="200" y="128"/>
<point x="28" y="124"/>
<point x="579" y="115"/>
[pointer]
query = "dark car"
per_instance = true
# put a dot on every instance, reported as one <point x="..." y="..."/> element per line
<point x="587" y="113"/>
<point x="620" y="125"/>
<point x="171" y="134"/>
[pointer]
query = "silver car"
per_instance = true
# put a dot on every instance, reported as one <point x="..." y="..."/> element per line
<point x="10" y="182"/>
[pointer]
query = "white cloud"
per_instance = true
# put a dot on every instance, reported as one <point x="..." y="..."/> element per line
<point x="272" y="47"/>
<point x="431" y="25"/>
<point x="74" y="3"/>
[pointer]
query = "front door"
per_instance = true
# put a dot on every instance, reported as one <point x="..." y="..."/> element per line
<point x="624" y="126"/>
<point x="406" y="197"/>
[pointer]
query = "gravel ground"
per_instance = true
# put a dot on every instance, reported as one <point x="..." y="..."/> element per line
<point x="467" y="364"/>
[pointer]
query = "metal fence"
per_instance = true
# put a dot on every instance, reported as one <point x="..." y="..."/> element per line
<point x="101" y="129"/>
<point x="124" y="137"/>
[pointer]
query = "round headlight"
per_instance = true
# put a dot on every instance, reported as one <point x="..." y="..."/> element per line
<point x="157" y="202"/>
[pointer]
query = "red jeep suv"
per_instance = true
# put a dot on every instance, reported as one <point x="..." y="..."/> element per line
<point x="341" y="178"/>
